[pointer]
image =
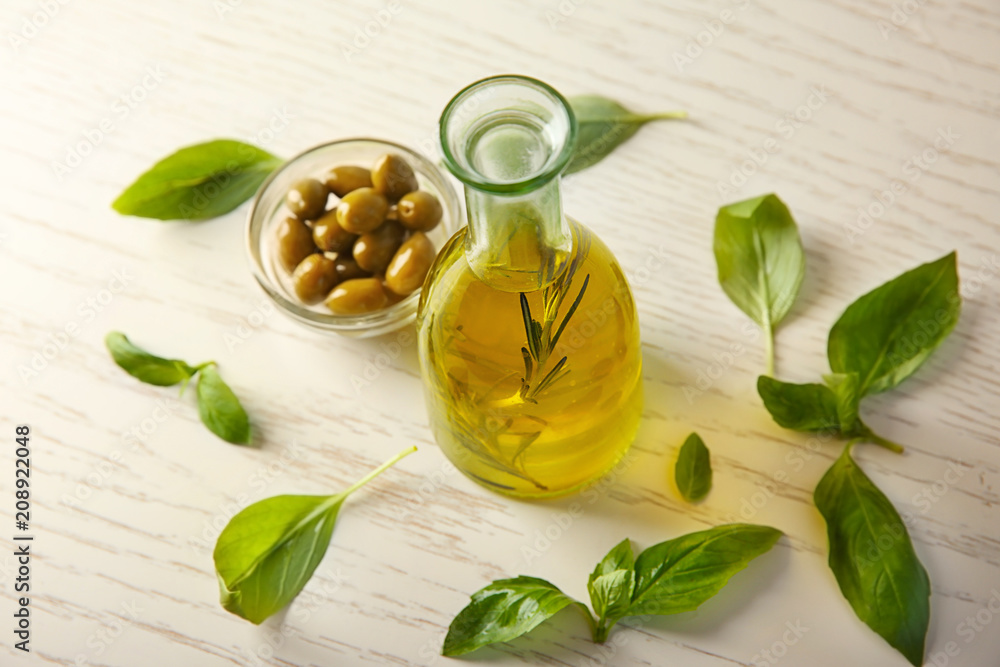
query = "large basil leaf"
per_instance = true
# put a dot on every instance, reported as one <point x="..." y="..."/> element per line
<point x="198" y="182"/>
<point x="760" y="261"/>
<point x="144" y="366"/>
<point x="603" y="125"/>
<point x="680" y="574"/>
<point x="800" y="407"/>
<point x="873" y="559"/>
<point x="268" y="551"/>
<point x="888" y="333"/>
<point x="504" y="610"/>
<point x="693" y="470"/>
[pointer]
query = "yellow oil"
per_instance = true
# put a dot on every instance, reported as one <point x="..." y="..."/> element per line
<point x="497" y="420"/>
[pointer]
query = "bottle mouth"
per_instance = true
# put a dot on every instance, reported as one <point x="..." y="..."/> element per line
<point x="507" y="134"/>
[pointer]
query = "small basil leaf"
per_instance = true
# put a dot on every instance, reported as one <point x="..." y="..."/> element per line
<point x="693" y="470"/>
<point x="220" y="410"/>
<point x="888" y="333"/>
<point x="680" y="574"/>
<point x="268" y="551"/>
<point x="873" y="559"/>
<point x="144" y="366"/>
<point x="198" y="182"/>
<point x="800" y="407"/>
<point x="502" y="611"/>
<point x="760" y="260"/>
<point x="845" y="391"/>
<point x="602" y="126"/>
<point x="611" y="583"/>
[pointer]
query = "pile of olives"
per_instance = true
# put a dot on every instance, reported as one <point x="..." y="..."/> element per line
<point x="356" y="239"/>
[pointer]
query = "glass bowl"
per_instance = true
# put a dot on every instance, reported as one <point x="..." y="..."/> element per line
<point x="268" y="210"/>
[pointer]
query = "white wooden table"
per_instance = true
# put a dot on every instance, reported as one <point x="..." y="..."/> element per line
<point x="850" y="93"/>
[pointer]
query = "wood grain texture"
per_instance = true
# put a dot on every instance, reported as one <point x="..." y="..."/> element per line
<point x="125" y="525"/>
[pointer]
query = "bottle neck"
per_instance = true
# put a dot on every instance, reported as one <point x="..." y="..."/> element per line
<point x="507" y="138"/>
<point x="517" y="242"/>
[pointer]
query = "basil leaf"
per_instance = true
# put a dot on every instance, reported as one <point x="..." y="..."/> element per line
<point x="267" y="552"/>
<point x="144" y="366"/>
<point x="504" y="610"/>
<point x="693" y="470"/>
<point x="760" y="260"/>
<point x="845" y="392"/>
<point x="198" y="182"/>
<point x="680" y="574"/>
<point x="219" y="408"/>
<point x="888" y="333"/>
<point x="800" y="407"/>
<point x="610" y="586"/>
<point x="873" y="559"/>
<point x="603" y="125"/>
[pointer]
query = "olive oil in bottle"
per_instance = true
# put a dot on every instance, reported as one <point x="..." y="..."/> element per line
<point x="529" y="342"/>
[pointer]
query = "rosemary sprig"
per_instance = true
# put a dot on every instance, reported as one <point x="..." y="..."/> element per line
<point x="541" y="341"/>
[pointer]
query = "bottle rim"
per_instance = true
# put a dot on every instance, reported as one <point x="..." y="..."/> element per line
<point x="473" y="179"/>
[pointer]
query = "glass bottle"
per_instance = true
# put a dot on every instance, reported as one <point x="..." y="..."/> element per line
<point x="528" y="336"/>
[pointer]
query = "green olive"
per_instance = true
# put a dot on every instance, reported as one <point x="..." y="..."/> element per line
<point x="362" y="210"/>
<point x="348" y="178"/>
<point x="358" y="296"/>
<point x="393" y="176"/>
<point x="419" y="210"/>
<point x="295" y="242"/>
<point x="306" y="199"/>
<point x="330" y="236"/>
<point x="348" y="269"/>
<point x="410" y="264"/>
<point x="373" y="251"/>
<point x="314" y="277"/>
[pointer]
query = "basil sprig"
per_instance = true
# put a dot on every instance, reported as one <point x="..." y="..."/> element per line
<point x="761" y="262"/>
<point x="219" y="408"/>
<point x="668" y="578"/>
<point x="198" y="182"/>
<point x="880" y="340"/>
<point x="693" y="470"/>
<point x="268" y="552"/>
<point x="873" y="559"/>
<point x="603" y="125"/>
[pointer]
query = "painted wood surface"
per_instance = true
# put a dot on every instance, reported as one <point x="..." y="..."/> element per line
<point x="829" y="104"/>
